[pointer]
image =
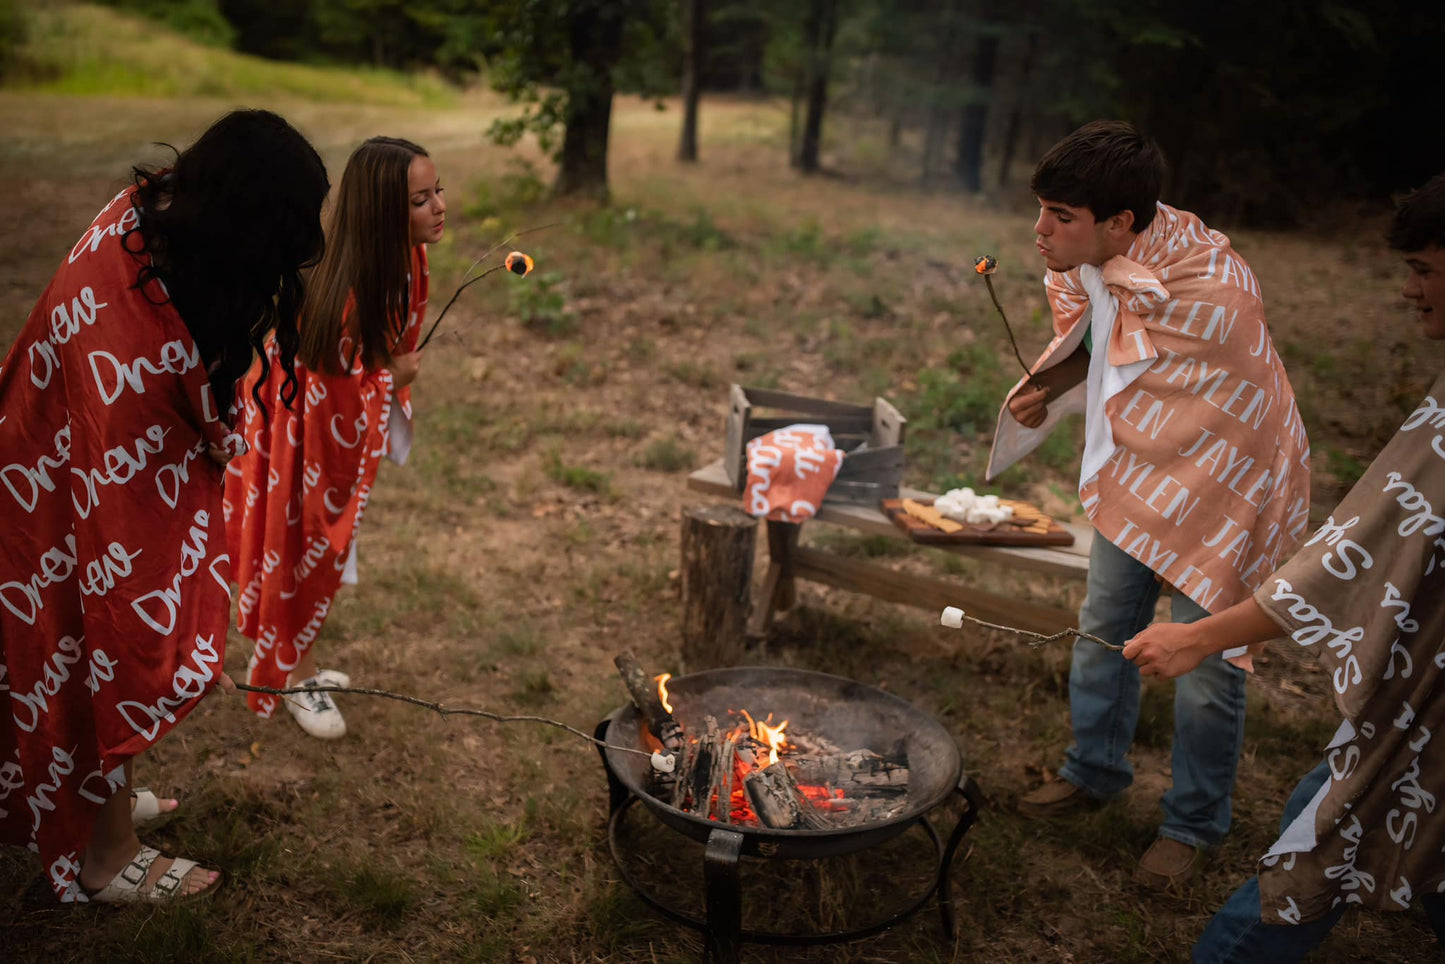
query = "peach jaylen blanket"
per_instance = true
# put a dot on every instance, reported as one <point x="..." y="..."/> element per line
<point x="1196" y="461"/>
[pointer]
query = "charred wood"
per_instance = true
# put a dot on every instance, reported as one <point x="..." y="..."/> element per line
<point x="643" y="690"/>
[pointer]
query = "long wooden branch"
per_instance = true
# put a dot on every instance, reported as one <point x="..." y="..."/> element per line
<point x="440" y="709"/>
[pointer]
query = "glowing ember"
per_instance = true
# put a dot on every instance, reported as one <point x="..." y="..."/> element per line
<point x="662" y="679"/>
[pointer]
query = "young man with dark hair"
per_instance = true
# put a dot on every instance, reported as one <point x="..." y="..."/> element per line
<point x="1195" y="469"/>
<point x="1362" y="827"/>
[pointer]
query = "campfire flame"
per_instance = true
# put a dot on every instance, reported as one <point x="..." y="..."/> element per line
<point x="662" y="679"/>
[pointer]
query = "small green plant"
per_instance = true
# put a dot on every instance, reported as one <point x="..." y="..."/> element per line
<point x="536" y="688"/>
<point x="667" y="454"/>
<point x="382" y="896"/>
<point x="1342" y="465"/>
<point x="496" y="840"/>
<point x="495" y="196"/>
<point x="540" y="304"/>
<point x="693" y="374"/>
<point x="576" y="476"/>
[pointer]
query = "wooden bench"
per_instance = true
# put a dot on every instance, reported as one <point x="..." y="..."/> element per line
<point x="788" y="561"/>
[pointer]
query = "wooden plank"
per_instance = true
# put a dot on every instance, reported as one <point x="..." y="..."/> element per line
<point x="739" y="413"/>
<point x="802" y="404"/>
<point x="1070" y="562"/>
<point x="841" y="426"/>
<point x="889" y="425"/>
<point x="890" y="585"/>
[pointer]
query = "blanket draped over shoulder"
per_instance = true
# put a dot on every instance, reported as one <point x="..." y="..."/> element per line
<point x="294" y="501"/>
<point x="1366" y="593"/>
<point x="1196" y="462"/>
<point x="114" y="579"/>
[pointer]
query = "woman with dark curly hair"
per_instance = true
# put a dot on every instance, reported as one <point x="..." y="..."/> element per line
<point x="114" y="579"/>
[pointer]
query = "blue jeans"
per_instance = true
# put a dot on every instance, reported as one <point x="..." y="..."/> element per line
<point x="1237" y="935"/>
<point x="1104" y="704"/>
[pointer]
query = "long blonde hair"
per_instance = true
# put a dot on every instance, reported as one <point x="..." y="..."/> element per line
<point x="368" y="257"/>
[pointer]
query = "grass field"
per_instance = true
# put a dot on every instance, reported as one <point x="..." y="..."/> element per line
<point x="534" y="536"/>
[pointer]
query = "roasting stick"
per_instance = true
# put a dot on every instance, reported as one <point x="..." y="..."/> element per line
<point x="985" y="265"/>
<point x="662" y="762"/>
<point x="953" y="618"/>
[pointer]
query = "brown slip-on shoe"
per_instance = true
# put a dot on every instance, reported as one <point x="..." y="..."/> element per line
<point x="1167" y="864"/>
<point x="1056" y="798"/>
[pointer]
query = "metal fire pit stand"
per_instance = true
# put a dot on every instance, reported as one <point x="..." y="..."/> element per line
<point x="722" y="928"/>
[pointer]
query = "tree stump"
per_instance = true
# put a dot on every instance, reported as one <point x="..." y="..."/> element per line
<point x="717" y="584"/>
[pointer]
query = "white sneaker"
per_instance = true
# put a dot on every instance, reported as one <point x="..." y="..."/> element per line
<point x="316" y="712"/>
<point x="332" y="677"/>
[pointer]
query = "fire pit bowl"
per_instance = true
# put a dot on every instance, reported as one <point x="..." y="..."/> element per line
<point x="850" y="714"/>
<point x="846" y="713"/>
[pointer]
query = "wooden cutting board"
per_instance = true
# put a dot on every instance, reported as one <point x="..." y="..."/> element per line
<point x="1011" y="533"/>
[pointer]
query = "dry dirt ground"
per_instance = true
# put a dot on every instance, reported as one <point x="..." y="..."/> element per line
<point x="534" y="536"/>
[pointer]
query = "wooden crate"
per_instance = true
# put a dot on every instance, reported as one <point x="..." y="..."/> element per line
<point x="865" y="477"/>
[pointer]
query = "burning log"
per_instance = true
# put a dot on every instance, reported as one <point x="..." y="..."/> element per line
<point x="861" y="771"/>
<point x="720" y="787"/>
<point x="776" y="798"/>
<point x="645" y="696"/>
<point x="705" y="752"/>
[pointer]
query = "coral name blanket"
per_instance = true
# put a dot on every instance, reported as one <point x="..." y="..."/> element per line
<point x="114" y="579"/>
<point x="789" y="472"/>
<point x="294" y="501"/>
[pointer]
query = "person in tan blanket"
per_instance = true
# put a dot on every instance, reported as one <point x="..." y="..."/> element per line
<point x="1195" y="470"/>
<point x="1365" y="826"/>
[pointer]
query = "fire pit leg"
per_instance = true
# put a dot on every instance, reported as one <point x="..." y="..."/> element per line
<point x="617" y="792"/>
<point x="969" y="791"/>
<point x="724" y="896"/>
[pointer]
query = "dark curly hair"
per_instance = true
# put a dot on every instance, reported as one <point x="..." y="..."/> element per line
<point x="1107" y="167"/>
<point x="229" y="227"/>
<point x="1419" y="220"/>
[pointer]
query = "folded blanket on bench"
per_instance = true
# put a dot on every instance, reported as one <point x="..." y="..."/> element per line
<point x="789" y="472"/>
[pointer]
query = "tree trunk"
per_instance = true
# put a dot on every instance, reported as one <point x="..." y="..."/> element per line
<point x="694" y="32"/>
<point x="819" y="29"/>
<point x="935" y="118"/>
<point x="795" y="108"/>
<point x="968" y="163"/>
<point x="594" y="35"/>
<point x="717" y="578"/>
<point x="1015" y="118"/>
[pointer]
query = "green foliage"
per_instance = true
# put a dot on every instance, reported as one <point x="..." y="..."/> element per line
<point x="383" y="896"/>
<point x="1343" y="466"/>
<point x="668" y="454"/>
<point x="495" y="841"/>
<point x="576" y="476"/>
<point x="505" y="193"/>
<point x="14" y="31"/>
<point x="540" y="303"/>
<point x="94" y="51"/>
<point x="619" y="228"/>
<point x="556" y="58"/>
<point x="200" y="20"/>
<point x="536" y="688"/>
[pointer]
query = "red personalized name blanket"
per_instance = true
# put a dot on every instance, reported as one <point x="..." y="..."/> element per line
<point x="295" y="499"/>
<point x="114" y="578"/>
